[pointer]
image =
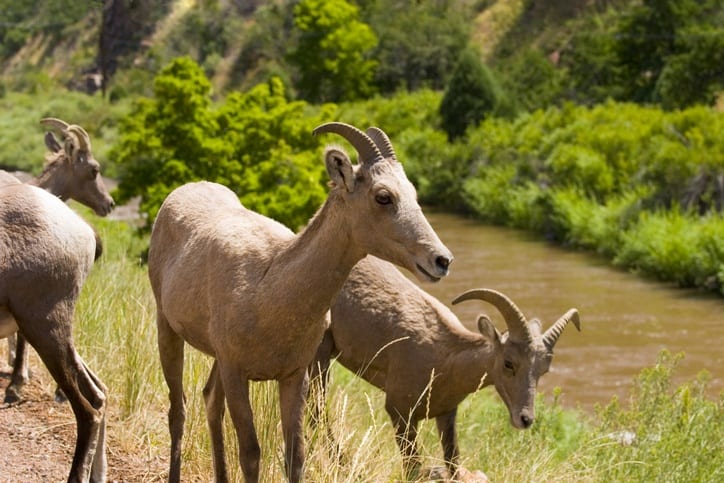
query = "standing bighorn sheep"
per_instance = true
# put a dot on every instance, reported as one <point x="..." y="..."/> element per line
<point x="70" y="172"/>
<point x="247" y="291"/>
<point x="403" y="340"/>
<point x="46" y="252"/>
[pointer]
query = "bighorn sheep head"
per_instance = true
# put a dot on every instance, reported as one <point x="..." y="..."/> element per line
<point x="379" y="187"/>
<point x="522" y="354"/>
<point x="78" y="176"/>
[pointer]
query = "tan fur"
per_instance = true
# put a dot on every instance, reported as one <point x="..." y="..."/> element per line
<point x="401" y="339"/>
<point x="247" y="291"/>
<point x="46" y="252"/>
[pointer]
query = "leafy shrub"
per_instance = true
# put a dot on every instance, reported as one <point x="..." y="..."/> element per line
<point x="583" y="175"/>
<point x="472" y="94"/>
<point x="256" y="143"/>
<point x="665" y="434"/>
<point x="332" y="55"/>
<point x="418" y="42"/>
<point x="675" y="246"/>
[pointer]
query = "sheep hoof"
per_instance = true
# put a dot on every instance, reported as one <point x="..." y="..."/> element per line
<point x="12" y="395"/>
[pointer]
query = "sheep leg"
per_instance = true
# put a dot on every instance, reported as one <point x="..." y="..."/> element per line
<point x="406" y="436"/>
<point x="100" y="462"/>
<point x="448" y="438"/>
<point x="20" y="375"/>
<point x="319" y="378"/>
<point x="171" y="351"/>
<point x="214" y="399"/>
<point x="292" y="396"/>
<point x="86" y="394"/>
<point x="236" y="387"/>
<point x="12" y="344"/>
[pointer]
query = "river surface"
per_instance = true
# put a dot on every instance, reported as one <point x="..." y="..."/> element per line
<point x="625" y="320"/>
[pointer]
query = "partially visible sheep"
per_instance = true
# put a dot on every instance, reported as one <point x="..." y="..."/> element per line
<point x="401" y="339"/>
<point x="70" y="172"/>
<point x="46" y="252"/>
<point x="247" y="291"/>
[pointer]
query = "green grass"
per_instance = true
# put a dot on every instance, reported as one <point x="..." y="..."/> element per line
<point x="678" y="431"/>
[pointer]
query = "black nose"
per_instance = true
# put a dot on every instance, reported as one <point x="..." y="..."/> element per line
<point x="526" y="420"/>
<point x="442" y="262"/>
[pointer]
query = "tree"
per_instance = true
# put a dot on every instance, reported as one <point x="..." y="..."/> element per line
<point x="650" y="35"/>
<point x="256" y="143"/>
<point x="418" y="42"/>
<point x="472" y="94"/>
<point x="332" y="55"/>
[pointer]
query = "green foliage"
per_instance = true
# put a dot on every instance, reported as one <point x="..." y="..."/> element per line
<point x="609" y="179"/>
<point x="674" y="246"/>
<point x="23" y="20"/>
<point x="695" y="73"/>
<point x="472" y="94"/>
<point x="256" y="143"/>
<point x="418" y="41"/>
<point x="665" y="434"/>
<point x="332" y="54"/>
<point x="531" y="81"/>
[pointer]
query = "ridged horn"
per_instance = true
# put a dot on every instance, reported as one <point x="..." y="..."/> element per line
<point x="366" y="147"/>
<point x="514" y="318"/>
<point x="380" y="138"/>
<point x="56" y="123"/>
<point x="551" y="335"/>
<point x="81" y="135"/>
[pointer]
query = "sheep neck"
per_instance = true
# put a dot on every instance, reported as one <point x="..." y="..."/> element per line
<point x="472" y="364"/>
<point x="49" y="181"/>
<point x="313" y="267"/>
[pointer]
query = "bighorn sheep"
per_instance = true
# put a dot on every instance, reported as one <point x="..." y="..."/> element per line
<point x="403" y="340"/>
<point x="70" y="172"/>
<point x="247" y="291"/>
<point x="46" y="252"/>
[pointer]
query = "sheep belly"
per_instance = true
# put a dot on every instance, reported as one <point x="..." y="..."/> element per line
<point x="8" y="326"/>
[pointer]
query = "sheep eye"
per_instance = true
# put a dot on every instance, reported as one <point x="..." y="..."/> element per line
<point x="508" y="365"/>
<point x="383" y="198"/>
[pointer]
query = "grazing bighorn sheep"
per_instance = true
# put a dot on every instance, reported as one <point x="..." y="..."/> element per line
<point x="403" y="340"/>
<point x="70" y="172"/>
<point x="247" y="291"/>
<point x="46" y="252"/>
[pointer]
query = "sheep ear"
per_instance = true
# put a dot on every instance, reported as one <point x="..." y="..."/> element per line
<point x="487" y="329"/>
<point x="52" y="143"/>
<point x="339" y="168"/>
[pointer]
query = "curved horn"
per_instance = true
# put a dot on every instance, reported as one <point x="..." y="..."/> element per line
<point x="56" y="123"/>
<point x="367" y="149"/>
<point x="81" y="135"/>
<point x="382" y="141"/>
<point x="551" y="335"/>
<point x="514" y="318"/>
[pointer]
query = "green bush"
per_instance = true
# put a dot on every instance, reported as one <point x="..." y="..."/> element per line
<point x="675" y="246"/>
<point x="472" y="94"/>
<point x="663" y="434"/>
<point x="582" y="176"/>
<point x="256" y="143"/>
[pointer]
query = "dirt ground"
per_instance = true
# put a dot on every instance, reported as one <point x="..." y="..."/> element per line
<point x="37" y="438"/>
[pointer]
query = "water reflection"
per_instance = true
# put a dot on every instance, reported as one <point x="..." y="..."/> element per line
<point x="625" y="320"/>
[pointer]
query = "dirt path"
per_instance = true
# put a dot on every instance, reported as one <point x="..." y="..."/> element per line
<point x="37" y="438"/>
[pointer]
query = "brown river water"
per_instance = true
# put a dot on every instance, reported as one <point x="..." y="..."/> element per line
<point x="625" y="320"/>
